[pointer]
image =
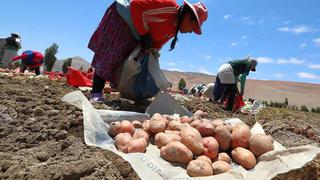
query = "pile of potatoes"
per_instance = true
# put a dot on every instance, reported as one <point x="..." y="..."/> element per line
<point x="208" y="147"/>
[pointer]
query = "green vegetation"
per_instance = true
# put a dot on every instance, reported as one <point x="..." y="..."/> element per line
<point x="66" y="63"/>
<point x="182" y="84"/>
<point x="50" y="57"/>
<point x="285" y="104"/>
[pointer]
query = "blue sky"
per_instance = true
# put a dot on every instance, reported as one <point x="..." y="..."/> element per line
<point x="283" y="35"/>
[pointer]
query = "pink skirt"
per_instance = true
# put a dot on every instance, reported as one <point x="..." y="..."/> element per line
<point x="112" y="43"/>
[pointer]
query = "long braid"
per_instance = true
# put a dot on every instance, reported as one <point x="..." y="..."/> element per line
<point x="181" y="13"/>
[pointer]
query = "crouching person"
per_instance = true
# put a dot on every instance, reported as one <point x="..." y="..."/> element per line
<point x="30" y="59"/>
<point x="227" y="77"/>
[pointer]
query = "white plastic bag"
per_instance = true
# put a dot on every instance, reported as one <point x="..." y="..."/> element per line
<point x="132" y="87"/>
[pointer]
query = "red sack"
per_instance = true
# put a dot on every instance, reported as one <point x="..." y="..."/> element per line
<point x="238" y="103"/>
<point x="76" y="78"/>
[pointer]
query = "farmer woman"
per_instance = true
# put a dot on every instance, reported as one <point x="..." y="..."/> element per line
<point x="227" y="78"/>
<point x="151" y="24"/>
<point x="31" y="59"/>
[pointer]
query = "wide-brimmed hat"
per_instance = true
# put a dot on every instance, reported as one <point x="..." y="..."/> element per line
<point x="201" y="13"/>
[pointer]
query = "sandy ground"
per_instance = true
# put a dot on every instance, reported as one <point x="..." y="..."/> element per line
<point x="42" y="138"/>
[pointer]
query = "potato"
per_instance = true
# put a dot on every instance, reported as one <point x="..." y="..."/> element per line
<point x="217" y="122"/>
<point x="223" y="136"/>
<point x="192" y="139"/>
<point x="205" y="158"/>
<point x="240" y="136"/>
<point x="176" y="152"/>
<point x="220" y="167"/>
<point x="260" y="144"/>
<point x="137" y="124"/>
<point x="137" y="145"/>
<point x="172" y="132"/>
<point x="200" y="114"/>
<point x="115" y="129"/>
<point x="122" y="141"/>
<point x="205" y="129"/>
<point x="157" y="124"/>
<point x="162" y="139"/>
<point x="141" y="133"/>
<point x="211" y="147"/>
<point x="174" y="126"/>
<point x="145" y="126"/>
<point x="185" y="119"/>
<point x="244" y="157"/>
<point x="198" y="168"/>
<point x="229" y="127"/>
<point x="195" y="123"/>
<point x="127" y="126"/>
<point x="224" y="157"/>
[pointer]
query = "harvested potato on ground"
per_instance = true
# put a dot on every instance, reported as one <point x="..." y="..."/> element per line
<point x="176" y="152"/>
<point x="260" y="144"/>
<point x="127" y="126"/>
<point x="157" y="124"/>
<point x="198" y="168"/>
<point x="205" y="158"/>
<point x="217" y="122"/>
<point x="168" y="117"/>
<point x="195" y="123"/>
<point x="224" y="157"/>
<point x="141" y="133"/>
<point x="162" y="139"/>
<point x="137" y="124"/>
<point x="200" y="114"/>
<point x="115" y="129"/>
<point x="145" y="126"/>
<point x="223" y="136"/>
<point x="192" y="139"/>
<point x="172" y="132"/>
<point x="220" y="167"/>
<point x="229" y="127"/>
<point x="240" y="136"/>
<point x="174" y="126"/>
<point x="205" y="129"/>
<point x="137" y="145"/>
<point x="244" y="157"/>
<point x="211" y="147"/>
<point x="185" y="119"/>
<point x="122" y="141"/>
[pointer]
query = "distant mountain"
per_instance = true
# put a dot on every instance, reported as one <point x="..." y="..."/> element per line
<point x="77" y="62"/>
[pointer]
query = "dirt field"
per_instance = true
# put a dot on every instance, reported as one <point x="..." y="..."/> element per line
<point x="42" y="138"/>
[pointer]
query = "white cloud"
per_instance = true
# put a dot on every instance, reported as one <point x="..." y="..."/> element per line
<point x="296" y="29"/>
<point x="206" y="56"/>
<point x="307" y="75"/>
<point x="205" y="71"/>
<point x="175" y="69"/>
<point x="316" y="42"/>
<point x="227" y="16"/>
<point x="247" y="19"/>
<point x="314" y="66"/>
<point x="234" y="43"/>
<point x="279" y="75"/>
<point x="172" y="64"/>
<point x="244" y="37"/>
<point x="303" y="45"/>
<point x="290" y="61"/>
<point x="265" y="60"/>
